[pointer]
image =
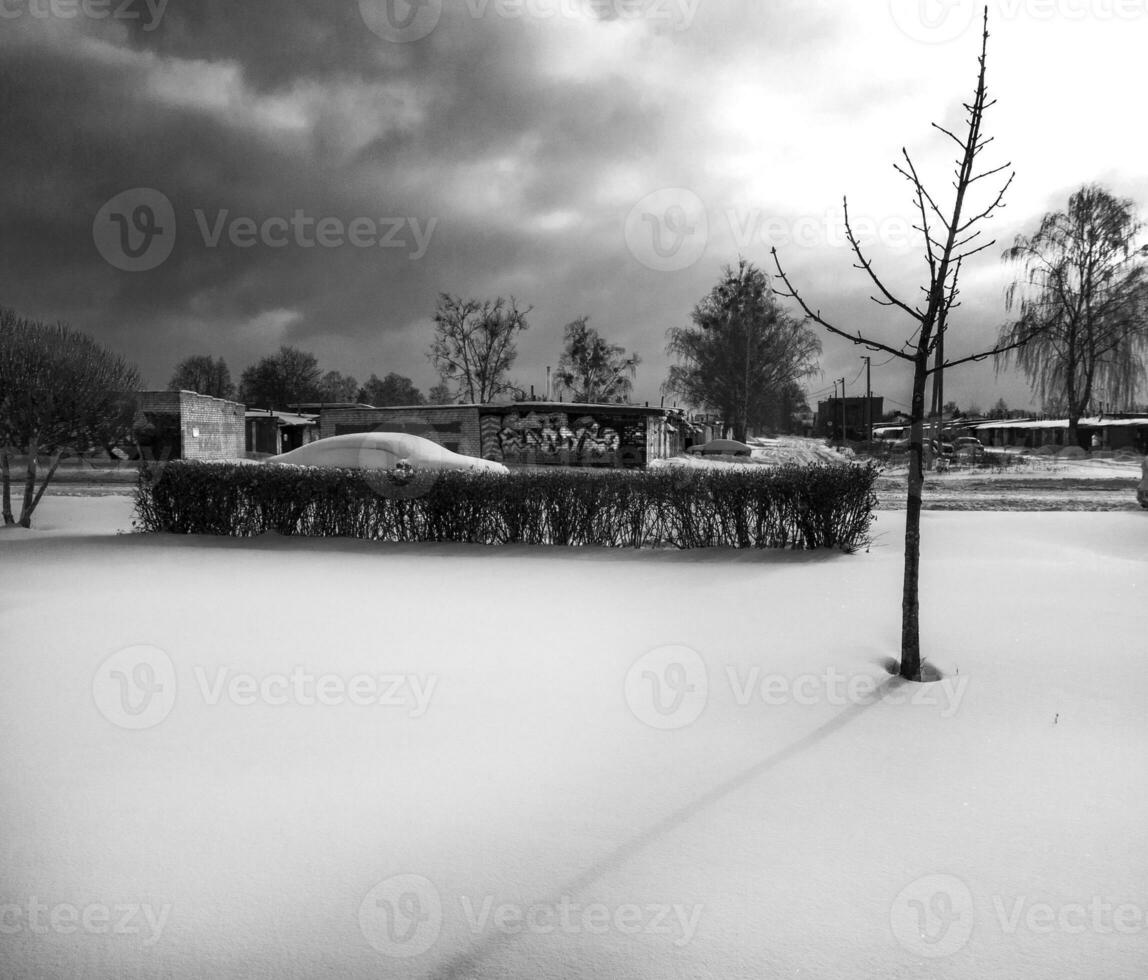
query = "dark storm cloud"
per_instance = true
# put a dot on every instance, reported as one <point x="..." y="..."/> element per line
<point x="87" y="120"/>
<point x="514" y="138"/>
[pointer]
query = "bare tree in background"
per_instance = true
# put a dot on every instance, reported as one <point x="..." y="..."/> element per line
<point x="1084" y="295"/>
<point x="203" y="374"/>
<point x="949" y="240"/>
<point x="473" y="346"/>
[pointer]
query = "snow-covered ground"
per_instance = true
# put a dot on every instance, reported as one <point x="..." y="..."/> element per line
<point x="301" y="758"/>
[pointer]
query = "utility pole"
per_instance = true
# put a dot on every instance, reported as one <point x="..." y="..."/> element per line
<point x="842" y="413"/>
<point x="868" y="400"/>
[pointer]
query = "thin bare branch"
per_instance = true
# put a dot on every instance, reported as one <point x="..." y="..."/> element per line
<point x="816" y="317"/>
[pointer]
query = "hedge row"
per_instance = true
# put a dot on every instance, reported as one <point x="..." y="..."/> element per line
<point x="827" y="506"/>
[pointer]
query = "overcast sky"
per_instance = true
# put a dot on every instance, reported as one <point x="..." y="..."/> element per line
<point x="224" y="176"/>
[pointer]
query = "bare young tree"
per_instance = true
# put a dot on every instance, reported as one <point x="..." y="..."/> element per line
<point x="950" y="239"/>
<point x="1084" y="295"/>
<point x="473" y="346"/>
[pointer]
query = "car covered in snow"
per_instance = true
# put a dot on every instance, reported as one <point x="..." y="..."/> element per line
<point x="721" y="447"/>
<point x="1142" y="490"/>
<point x="383" y="451"/>
<point x="968" y="446"/>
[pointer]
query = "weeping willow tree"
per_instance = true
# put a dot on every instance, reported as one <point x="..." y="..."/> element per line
<point x="1082" y="298"/>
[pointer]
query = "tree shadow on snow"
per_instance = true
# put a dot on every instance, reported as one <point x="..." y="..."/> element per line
<point x="463" y="965"/>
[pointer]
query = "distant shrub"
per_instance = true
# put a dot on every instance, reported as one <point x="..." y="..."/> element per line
<point x="822" y="506"/>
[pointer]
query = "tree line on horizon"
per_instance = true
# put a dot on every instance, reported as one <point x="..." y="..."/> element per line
<point x="742" y="358"/>
<point x="1079" y="331"/>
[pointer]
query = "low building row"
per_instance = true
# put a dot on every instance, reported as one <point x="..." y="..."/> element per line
<point x="187" y="425"/>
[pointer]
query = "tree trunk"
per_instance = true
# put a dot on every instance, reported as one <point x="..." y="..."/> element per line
<point x="910" y="601"/>
<point x="29" y="485"/>
<point x="6" y="478"/>
<point x="40" y="493"/>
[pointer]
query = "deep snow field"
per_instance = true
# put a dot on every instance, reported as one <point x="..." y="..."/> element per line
<point x="311" y="758"/>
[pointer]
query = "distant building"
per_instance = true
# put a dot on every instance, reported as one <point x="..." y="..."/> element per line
<point x="271" y="432"/>
<point x="858" y="414"/>
<point x="534" y="433"/>
<point x="188" y="425"/>
<point x="1126" y="431"/>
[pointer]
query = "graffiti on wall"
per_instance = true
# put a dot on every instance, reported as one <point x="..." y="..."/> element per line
<point x="558" y="438"/>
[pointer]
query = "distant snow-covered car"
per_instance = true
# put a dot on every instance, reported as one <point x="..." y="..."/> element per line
<point x="722" y="447"/>
<point x="383" y="451"/>
<point x="968" y="446"/>
<point x="1142" y="490"/>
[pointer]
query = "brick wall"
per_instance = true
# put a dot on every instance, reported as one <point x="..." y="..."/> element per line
<point x="209" y="428"/>
<point x="455" y="427"/>
<point x="212" y="428"/>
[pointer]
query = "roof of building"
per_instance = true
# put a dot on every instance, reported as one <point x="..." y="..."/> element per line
<point x="523" y="406"/>
<point x="284" y="418"/>
<point x="1095" y="421"/>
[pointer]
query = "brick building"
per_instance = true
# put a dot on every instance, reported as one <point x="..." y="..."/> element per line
<point x="528" y="433"/>
<point x="270" y="432"/>
<point x="856" y="413"/>
<point x="187" y="425"/>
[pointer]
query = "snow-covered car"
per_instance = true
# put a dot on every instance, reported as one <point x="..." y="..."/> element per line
<point x="968" y="446"/>
<point x="383" y="451"/>
<point x="1142" y="490"/>
<point x="721" y="447"/>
